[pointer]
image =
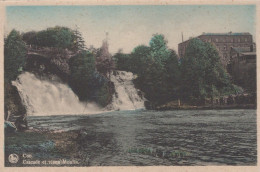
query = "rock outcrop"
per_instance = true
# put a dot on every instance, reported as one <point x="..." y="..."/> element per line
<point x="14" y="108"/>
<point x="49" y="61"/>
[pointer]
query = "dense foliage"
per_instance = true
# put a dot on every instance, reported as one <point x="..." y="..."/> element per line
<point x="162" y="78"/>
<point x="86" y="82"/>
<point x="160" y="75"/>
<point x="59" y="37"/>
<point x="122" y="61"/>
<point x="202" y="74"/>
<point x="84" y="79"/>
<point x="250" y="81"/>
<point x="15" y="54"/>
<point x="156" y="67"/>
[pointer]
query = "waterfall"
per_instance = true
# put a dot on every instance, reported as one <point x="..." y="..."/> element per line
<point x="45" y="97"/>
<point x="126" y="97"/>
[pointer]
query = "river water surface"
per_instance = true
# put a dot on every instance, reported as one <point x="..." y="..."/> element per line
<point x="146" y="138"/>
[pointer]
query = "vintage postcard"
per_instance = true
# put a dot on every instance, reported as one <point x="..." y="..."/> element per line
<point x="148" y="85"/>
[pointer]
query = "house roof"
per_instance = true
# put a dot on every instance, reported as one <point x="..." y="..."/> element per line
<point x="225" y="34"/>
<point x="218" y="34"/>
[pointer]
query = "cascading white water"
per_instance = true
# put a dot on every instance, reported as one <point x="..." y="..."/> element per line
<point x="43" y="97"/>
<point x="126" y="97"/>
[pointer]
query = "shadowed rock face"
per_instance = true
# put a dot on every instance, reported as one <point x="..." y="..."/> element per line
<point x="49" y="61"/>
<point x="14" y="107"/>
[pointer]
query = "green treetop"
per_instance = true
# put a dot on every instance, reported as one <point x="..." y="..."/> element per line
<point x="202" y="74"/>
<point x="14" y="55"/>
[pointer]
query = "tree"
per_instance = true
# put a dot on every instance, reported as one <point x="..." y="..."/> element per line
<point x="58" y="37"/>
<point x="14" y="60"/>
<point x="30" y="37"/>
<point x="140" y="56"/>
<point x="157" y="69"/>
<point x="78" y="43"/>
<point x="122" y="61"/>
<point x="15" y="55"/>
<point x="82" y="67"/>
<point x="152" y="82"/>
<point x="159" y="49"/>
<point x="203" y="76"/>
<point x="86" y="82"/>
<point x="172" y="72"/>
<point x="64" y="37"/>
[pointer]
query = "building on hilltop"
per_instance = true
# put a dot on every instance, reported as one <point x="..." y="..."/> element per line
<point x="223" y="43"/>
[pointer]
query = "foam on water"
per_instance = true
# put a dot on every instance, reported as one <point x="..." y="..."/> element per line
<point x="43" y="97"/>
<point x="126" y="97"/>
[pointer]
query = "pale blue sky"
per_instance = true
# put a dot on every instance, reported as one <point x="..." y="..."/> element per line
<point x="129" y="26"/>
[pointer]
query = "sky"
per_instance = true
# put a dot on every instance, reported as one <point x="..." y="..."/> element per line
<point x="130" y="26"/>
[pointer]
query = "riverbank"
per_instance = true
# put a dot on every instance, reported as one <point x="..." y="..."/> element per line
<point x="206" y="107"/>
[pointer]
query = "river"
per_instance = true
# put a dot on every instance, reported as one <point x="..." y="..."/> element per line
<point x="147" y="138"/>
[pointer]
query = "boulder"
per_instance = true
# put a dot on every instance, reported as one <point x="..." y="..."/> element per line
<point x="13" y="105"/>
<point x="21" y="123"/>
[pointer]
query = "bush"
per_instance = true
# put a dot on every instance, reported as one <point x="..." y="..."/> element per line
<point x="86" y="82"/>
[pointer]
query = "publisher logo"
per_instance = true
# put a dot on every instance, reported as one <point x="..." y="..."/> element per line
<point x="13" y="158"/>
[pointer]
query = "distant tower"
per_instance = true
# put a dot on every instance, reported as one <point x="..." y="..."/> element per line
<point x="106" y="36"/>
<point x="182" y="36"/>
